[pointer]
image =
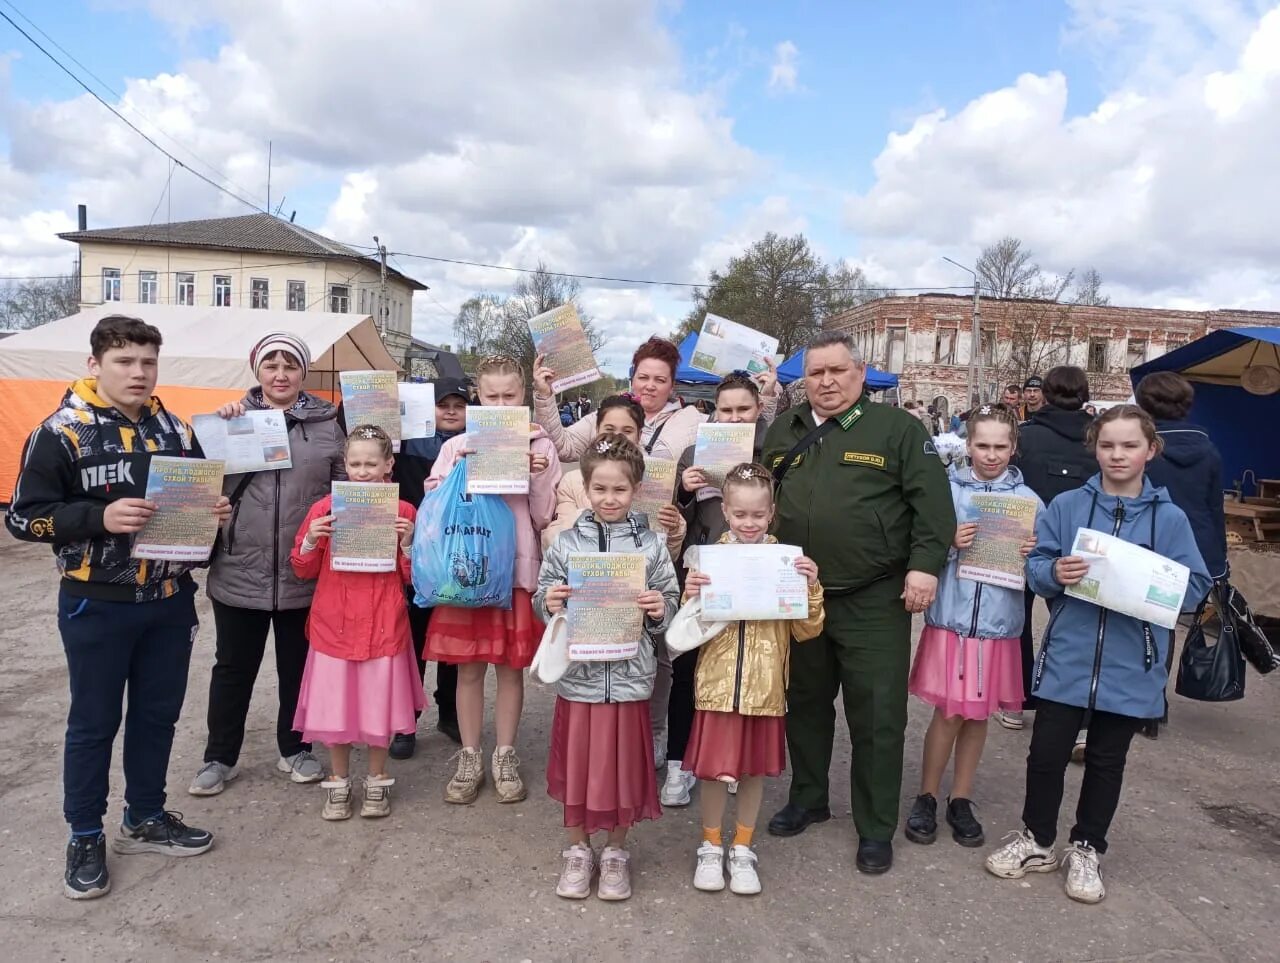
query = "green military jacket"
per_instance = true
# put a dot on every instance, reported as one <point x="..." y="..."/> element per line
<point x="868" y="501"/>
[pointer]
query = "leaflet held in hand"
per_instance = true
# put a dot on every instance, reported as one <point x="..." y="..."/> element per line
<point x="724" y="346"/>
<point x="605" y="621"/>
<point x="657" y="488"/>
<point x="719" y="447"/>
<point x="254" y="441"/>
<point x="417" y="410"/>
<point x="498" y="438"/>
<point x="559" y="335"/>
<point x="1005" y="522"/>
<point x="372" y="398"/>
<point x="183" y="526"/>
<point x="364" y="527"/>
<point x="1129" y="579"/>
<point x="752" y="582"/>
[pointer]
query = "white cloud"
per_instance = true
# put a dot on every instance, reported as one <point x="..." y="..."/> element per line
<point x="783" y="72"/>
<point x="1167" y="191"/>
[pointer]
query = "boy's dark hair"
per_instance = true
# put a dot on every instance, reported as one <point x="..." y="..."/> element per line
<point x="614" y="448"/>
<point x="1165" y="394"/>
<point x="627" y="403"/>
<point x="120" y="330"/>
<point x="1066" y="386"/>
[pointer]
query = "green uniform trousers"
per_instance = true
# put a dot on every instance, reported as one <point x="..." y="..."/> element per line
<point x="864" y="650"/>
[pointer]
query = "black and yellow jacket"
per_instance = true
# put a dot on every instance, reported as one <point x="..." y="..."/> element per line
<point x="870" y="501"/>
<point x="81" y="458"/>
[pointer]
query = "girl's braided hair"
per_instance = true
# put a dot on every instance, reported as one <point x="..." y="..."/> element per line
<point x="748" y="475"/>
<point x="370" y="433"/>
<point x="614" y="448"/>
<point x="999" y="413"/>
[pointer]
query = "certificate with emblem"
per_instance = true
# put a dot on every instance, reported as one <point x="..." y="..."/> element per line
<point x="752" y="582"/>
<point x="183" y="526"/>
<point x="417" y="410"/>
<point x="498" y="438"/>
<point x="1129" y="579"/>
<point x="364" y="527"/>
<point x="724" y="346"/>
<point x="606" y="622"/>
<point x="719" y="447"/>
<point x="559" y="335"/>
<point x="372" y="398"/>
<point x="254" y="441"/>
<point x="1005" y="522"/>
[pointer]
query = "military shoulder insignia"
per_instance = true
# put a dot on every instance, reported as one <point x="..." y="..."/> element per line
<point x="929" y="449"/>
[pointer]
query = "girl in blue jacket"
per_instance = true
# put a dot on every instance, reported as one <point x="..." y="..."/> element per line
<point x="1097" y="669"/>
<point x="968" y="664"/>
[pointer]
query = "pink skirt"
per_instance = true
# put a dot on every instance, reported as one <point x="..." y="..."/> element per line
<point x="733" y="745"/>
<point x="970" y="678"/>
<point x="601" y="764"/>
<point x="368" y="702"/>
<point x="498" y="636"/>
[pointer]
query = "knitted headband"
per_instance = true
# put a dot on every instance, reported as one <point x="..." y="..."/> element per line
<point x="280" y="341"/>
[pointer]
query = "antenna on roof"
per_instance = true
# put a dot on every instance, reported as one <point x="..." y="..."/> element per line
<point x="292" y="215"/>
<point x="280" y="205"/>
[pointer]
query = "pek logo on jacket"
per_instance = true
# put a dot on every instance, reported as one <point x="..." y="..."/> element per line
<point x="103" y="476"/>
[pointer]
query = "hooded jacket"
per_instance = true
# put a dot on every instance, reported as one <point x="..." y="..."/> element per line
<point x="1092" y="657"/>
<point x="746" y="667"/>
<point x="627" y="680"/>
<point x="83" y="457"/>
<point x="1191" y="469"/>
<point x="252" y="571"/>
<point x="972" y="609"/>
<point x="1051" y="452"/>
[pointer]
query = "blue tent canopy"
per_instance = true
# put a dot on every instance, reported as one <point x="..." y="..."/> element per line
<point x="790" y="370"/>
<point x="1241" y="424"/>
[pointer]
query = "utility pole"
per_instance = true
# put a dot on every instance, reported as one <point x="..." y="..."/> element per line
<point x="382" y="296"/>
<point x="976" y="372"/>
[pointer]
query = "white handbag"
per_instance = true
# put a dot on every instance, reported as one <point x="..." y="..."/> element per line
<point x="552" y="658"/>
<point x="688" y="629"/>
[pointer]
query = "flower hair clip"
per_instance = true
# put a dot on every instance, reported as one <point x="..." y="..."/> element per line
<point x="602" y="446"/>
<point x="369" y="433"/>
<point x="747" y="473"/>
<point x="984" y="410"/>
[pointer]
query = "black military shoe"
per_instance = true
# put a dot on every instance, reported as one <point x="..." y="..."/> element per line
<point x="87" y="876"/>
<point x="792" y="820"/>
<point x="403" y="745"/>
<point x="922" y="824"/>
<point x="965" y="828"/>
<point x="875" y="856"/>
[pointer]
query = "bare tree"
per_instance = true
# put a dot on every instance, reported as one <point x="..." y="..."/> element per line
<point x="478" y="324"/>
<point x="31" y="303"/>
<point x="1089" y="289"/>
<point x="1006" y="269"/>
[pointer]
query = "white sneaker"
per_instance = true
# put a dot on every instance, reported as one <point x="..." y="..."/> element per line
<point x="337" y="798"/>
<point x="1077" y="751"/>
<point x="212" y="779"/>
<point x="743" y="878"/>
<point x="615" y="874"/>
<point x="1084" y="875"/>
<point x="1021" y="855"/>
<point x="301" y="767"/>
<point x="575" y="875"/>
<point x="709" y="874"/>
<point x="1011" y="720"/>
<point x="675" y="791"/>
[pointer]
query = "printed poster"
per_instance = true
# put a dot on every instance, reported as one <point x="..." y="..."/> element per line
<point x="255" y="441"/>
<point x="183" y="527"/>
<point x="372" y="398"/>
<point x="719" y="447"/>
<point x="752" y="582"/>
<point x="995" y="557"/>
<point x="657" y="488"/>
<point x="1129" y="579"/>
<point x="417" y="410"/>
<point x="724" y="346"/>
<point x="364" y="527"/>
<point x="559" y="335"/>
<point x="605" y="621"/>
<point x="498" y="438"/>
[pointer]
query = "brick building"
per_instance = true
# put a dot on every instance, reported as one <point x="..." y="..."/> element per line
<point x="925" y="339"/>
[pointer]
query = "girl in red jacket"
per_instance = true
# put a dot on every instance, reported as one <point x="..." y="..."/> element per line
<point x="361" y="682"/>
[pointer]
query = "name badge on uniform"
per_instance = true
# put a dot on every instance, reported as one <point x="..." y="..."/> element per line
<point x="864" y="458"/>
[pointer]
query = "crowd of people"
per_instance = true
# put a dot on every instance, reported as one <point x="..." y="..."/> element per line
<point x="856" y="485"/>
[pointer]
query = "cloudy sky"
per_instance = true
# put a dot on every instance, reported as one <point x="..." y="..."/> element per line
<point x="654" y="140"/>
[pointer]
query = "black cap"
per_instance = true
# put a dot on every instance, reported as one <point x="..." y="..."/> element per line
<point x="1035" y="381"/>
<point x="452" y="386"/>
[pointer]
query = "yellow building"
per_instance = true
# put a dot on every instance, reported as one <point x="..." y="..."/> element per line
<point x="252" y="261"/>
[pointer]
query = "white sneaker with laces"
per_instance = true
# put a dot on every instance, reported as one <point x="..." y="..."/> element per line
<point x="575" y="875"/>
<point x="1021" y="854"/>
<point x="1084" y="875"/>
<point x="505" y="769"/>
<point x="615" y="874"/>
<point x="337" y="798"/>
<point x="743" y="878"/>
<point x="678" y="785"/>
<point x="709" y="874"/>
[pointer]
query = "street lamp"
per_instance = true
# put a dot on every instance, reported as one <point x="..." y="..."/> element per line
<point x="976" y="374"/>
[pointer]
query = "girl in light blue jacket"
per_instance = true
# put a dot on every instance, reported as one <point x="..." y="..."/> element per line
<point x="968" y="664"/>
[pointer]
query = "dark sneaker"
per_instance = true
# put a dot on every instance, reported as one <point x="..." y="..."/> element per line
<point x="965" y="828"/>
<point x="449" y="727"/>
<point x="86" y="876"/>
<point x="166" y="834"/>
<point x="403" y="745"/>
<point x="922" y="824"/>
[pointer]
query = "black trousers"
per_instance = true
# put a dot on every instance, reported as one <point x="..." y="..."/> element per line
<point x="446" y="695"/>
<point x="680" y="708"/>
<point x="242" y="642"/>
<point x="1052" y="739"/>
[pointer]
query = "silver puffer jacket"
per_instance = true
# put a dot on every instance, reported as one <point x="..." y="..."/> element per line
<point x="628" y="680"/>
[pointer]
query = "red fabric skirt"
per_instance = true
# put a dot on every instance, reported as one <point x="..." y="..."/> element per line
<point x="970" y="678"/>
<point x="601" y="764"/>
<point x="732" y="745"/>
<point x="498" y="636"/>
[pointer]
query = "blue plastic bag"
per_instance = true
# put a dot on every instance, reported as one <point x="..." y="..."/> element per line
<point x="464" y="547"/>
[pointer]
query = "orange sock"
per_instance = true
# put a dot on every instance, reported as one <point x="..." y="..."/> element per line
<point x="711" y="834"/>
<point x="742" y="835"/>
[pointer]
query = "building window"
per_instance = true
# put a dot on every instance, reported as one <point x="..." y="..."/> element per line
<point x="944" y="351"/>
<point x="221" y="291"/>
<point x="339" y="298"/>
<point x="1098" y="355"/>
<point x="110" y="284"/>
<point x="186" y="288"/>
<point x="297" y="295"/>
<point x="148" y="287"/>
<point x="1174" y="342"/>
<point x="897" y="353"/>
<point x="1136" y="352"/>
<point x="259" y="293"/>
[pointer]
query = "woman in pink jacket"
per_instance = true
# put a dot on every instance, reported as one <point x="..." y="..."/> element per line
<point x="474" y="639"/>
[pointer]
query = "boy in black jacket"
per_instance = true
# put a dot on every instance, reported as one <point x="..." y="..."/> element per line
<point x="124" y="622"/>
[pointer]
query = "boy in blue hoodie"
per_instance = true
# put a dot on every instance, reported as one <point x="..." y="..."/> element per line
<point x="1097" y="669"/>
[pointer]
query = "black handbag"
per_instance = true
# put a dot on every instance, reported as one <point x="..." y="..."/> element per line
<point x="1254" y="644"/>
<point x="1212" y="670"/>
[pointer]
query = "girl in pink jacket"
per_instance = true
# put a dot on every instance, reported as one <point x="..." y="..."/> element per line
<point x="505" y="638"/>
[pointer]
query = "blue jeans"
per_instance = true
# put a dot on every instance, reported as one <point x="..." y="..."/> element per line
<point x="144" y="647"/>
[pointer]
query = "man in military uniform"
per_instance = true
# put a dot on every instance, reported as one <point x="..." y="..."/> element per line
<point x="864" y="494"/>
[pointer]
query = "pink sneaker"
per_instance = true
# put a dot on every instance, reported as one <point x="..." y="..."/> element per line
<point x="615" y="874"/>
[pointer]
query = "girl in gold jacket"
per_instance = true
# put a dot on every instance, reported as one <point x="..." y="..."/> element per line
<point x="739" y="730"/>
